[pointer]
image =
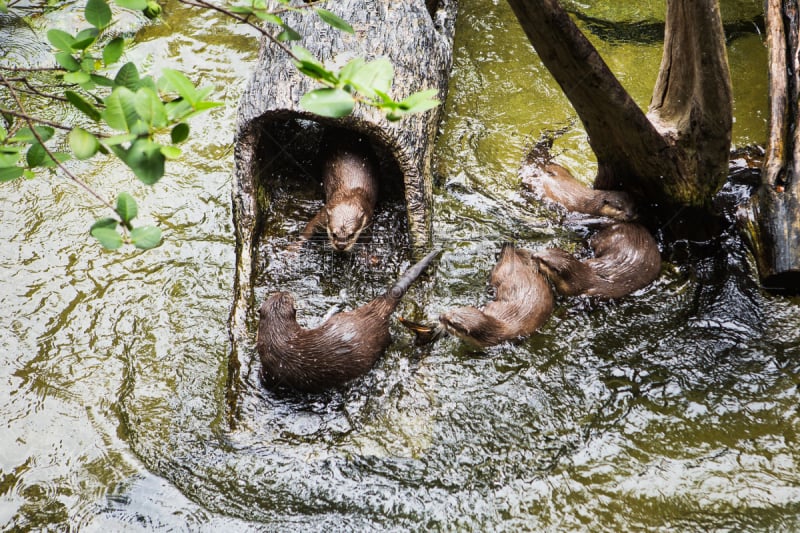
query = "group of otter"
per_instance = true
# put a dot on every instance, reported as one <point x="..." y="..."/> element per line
<point x="625" y="258"/>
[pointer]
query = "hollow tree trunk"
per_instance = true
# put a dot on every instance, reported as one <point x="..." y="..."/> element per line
<point x="677" y="154"/>
<point x="416" y="35"/>
<point x="773" y="222"/>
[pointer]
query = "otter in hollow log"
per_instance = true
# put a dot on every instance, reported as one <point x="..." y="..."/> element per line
<point x="343" y="348"/>
<point x="551" y="181"/>
<point x="350" y="180"/>
<point x="626" y="259"/>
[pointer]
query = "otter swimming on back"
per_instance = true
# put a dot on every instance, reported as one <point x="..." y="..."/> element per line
<point x="343" y="348"/>
<point x="626" y="259"/>
<point x="350" y="180"/>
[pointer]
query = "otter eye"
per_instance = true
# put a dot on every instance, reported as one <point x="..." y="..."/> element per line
<point x="351" y="236"/>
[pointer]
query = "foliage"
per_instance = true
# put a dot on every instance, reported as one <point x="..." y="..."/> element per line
<point x="142" y="120"/>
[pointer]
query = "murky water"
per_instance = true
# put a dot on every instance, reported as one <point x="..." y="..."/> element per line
<point x="675" y="408"/>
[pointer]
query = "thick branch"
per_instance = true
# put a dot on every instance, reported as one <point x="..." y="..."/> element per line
<point x="660" y="162"/>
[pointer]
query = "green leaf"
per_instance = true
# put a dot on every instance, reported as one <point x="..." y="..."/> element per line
<point x="78" y="77"/>
<point x="102" y="80"/>
<point x="59" y="156"/>
<point x="144" y="157"/>
<point x="109" y="238"/>
<point x="84" y="145"/>
<point x="136" y="5"/>
<point x="9" y="159"/>
<point x="82" y="105"/>
<point x="334" y="21"/>
<point x="350" y="69"/>
<point x="61" y="40"/>
<point x="127" y="76"/>
<point x="269" y="17"/>
<point x="108" y="223"/>
<point x="36" y="155"/>
<point x="180" y="84"/>
<point x="374" y="76"/>
<point x="420" y="101"/>
<point x="113" y="50"/>
<point x="328" y="102"/>
<point x="120" y="112"/>
<point x="288" y="34"/>
<point x="146" y="237"/>
<point x="10" y="173"/>
<point x="97" y="13"/>
<point x="119" y="139"/>
<point x="171" y="152"/>
<point x="242" y="10"/>
<point x="126" y="207"/>
<point x="180" y="133"/>
<point x="150" y="108"/>
<point x="25" y="135"/>
<point x="3" y="6"/>
<point x="85" y="38"/>
<point x="3" y="133"/>
<point x="28" y="174"/>
<point x="67" y="61"/>
<point x="304" y="55"/>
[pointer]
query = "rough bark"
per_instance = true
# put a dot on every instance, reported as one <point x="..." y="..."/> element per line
<point x="773" y="222"/>
<point x="677" y="154"/>
<point x="416" y="35"/>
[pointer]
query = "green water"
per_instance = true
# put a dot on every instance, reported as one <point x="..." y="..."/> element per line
<point x="675" y="408"/>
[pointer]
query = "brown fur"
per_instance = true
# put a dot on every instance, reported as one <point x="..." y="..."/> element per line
<point x="350" y="179"/>
<point x="626" y="259"/>
<point x="343" y="348"/>
<point x="523" y="302"/>
<point x="555" y="183"/>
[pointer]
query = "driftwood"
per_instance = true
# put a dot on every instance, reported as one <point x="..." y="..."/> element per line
<point x="773" y="221"/>
<point x="276" y="137"/>
<point x="676" y="155"/>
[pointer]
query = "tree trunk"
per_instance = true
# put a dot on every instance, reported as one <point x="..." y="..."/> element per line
<point x="773" y="222"/>
<point x="277" y="139"/>
<point x="677" y="154"/>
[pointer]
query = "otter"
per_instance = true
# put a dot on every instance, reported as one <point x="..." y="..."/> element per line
<point x="626" y="259"/>
<point x="555" y="183"/>
<point x="343" y="348"/>
<point x="350" y="180"/>
<point x="523" y="302"/>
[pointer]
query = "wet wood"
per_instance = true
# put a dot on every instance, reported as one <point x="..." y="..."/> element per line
<point x="773" y="221"/>
<point x="275" y="137"/>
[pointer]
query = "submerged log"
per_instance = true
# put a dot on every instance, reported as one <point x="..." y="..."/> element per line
<point x="772" y="223"/>
<point x="276" y="139"/>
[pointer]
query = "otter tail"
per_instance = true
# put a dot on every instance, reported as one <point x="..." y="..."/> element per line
<point x="400" y="287"/>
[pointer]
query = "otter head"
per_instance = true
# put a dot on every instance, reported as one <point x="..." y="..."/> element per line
<point x="569" y="275"/>
<point x="617" y="205"/>
<point x="278" y="307"/>
<point x="346" y="220"/>
<point x="472" y="325"/>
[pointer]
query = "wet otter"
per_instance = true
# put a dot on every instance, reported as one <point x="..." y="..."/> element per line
<point x="626" y="258"/>
<point x="523" y="302"/>
<point x="350" y="179"/>
<point x="341" y="349"/>
<point x="555" y="183"/>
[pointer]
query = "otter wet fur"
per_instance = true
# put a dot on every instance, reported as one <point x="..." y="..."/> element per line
<point x="523" y="302"/>
<point x="555" y="183"/>
<point x="350" y="180"/>
<point x="626" y="259"/>
<point x="343" y="348"/>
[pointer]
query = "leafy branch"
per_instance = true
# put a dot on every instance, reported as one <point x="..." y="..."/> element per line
<point x="130" y="116"/>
